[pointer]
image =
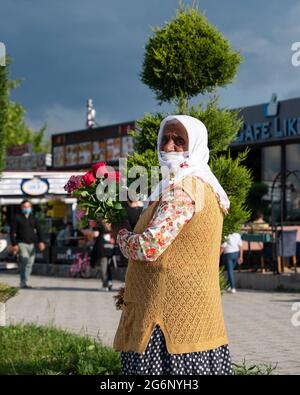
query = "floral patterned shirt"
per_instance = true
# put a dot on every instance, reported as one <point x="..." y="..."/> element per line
<point x="175" y="210"/>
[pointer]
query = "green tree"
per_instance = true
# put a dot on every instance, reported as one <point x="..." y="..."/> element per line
<point x="185" y="58"/>
<point x="4" y="94"/>
<point x="17" y="132"/>
<point x="13" y="129"/>
<point x="4" y="102"/>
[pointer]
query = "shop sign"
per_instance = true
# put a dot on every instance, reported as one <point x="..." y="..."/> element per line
<point x="35" y="186"/>
<point x="272" y="127"/>
<point x="65" y="255"/>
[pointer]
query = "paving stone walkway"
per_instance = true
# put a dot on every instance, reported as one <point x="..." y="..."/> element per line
<point x="259" y="324"/>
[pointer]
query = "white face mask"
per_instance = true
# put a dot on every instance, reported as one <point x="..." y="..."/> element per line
<point x="174" y="159"/>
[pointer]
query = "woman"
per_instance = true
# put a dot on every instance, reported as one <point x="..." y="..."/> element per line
<point x="232" y="250"/>
<point x="102" y="254"/>
<point x="172" y="320"/>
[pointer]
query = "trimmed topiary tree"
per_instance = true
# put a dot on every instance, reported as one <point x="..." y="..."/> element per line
<point x="186" y="57"/>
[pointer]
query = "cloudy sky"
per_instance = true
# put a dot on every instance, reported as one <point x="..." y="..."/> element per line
<point x="69" y="51"/>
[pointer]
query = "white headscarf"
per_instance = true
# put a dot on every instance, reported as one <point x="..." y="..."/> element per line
<point x="197" y="160"/>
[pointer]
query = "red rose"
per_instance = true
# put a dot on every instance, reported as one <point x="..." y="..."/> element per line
<point x="118" y="176"/>
<point x="88" y="178"/>
<point x="100" y="169"/>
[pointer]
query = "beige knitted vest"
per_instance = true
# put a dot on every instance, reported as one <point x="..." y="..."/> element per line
<point x="180" y="290"/>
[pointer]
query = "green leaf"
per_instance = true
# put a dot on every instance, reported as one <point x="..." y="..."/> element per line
<point x="118" y="206"/>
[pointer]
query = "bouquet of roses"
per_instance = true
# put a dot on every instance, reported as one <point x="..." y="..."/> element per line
<point x="97" y="192"/>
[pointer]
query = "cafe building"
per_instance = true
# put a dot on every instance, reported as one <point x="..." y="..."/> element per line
<point x="272" y="133"/>
<point x="41" y="179"/>
<point x="29" y="175"/>
<point x="78" y="149"/>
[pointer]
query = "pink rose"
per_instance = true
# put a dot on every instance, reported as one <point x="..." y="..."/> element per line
<point x="74" y="183"/>
<point x="88" y="178"/>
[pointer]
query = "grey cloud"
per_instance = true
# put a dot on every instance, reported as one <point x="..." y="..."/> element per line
<point x="68" y="51"/>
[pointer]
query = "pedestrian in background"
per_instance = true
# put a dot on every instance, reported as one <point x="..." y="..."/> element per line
<point x="64" y="235"/>
<point x="102" y="254"/>
<point x="133" y="208"/>
<point x="133" y="211"/>
<point x="25" y="232"/>
<point x="232" y="250"/>
<point x="259" y="224"/>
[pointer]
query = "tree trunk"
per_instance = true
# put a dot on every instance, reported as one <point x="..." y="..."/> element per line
<point x="2" y="314"/>
<point x="183" y="105"/>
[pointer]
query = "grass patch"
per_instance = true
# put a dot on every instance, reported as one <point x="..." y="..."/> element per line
<point x="40" y="350"/>
<point x="46" y="350"/>
<point x="262" y="369"/>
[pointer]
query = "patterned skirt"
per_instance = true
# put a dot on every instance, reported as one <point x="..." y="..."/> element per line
<point x="156" y="360"/>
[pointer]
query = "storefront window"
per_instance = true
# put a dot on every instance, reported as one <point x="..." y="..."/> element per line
<point x="271" y="162"/>
<point x="271" y="166"/>
<point x="293" y="182"/>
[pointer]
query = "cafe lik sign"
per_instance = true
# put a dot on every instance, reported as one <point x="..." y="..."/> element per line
<point x="272" y="127"/>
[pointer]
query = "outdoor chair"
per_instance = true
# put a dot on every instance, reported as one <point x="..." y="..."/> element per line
<point x="289" y="240"/>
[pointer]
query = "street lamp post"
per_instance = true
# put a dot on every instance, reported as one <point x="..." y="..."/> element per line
<point x="91" y="114"/>
<point x="282" y="176"/>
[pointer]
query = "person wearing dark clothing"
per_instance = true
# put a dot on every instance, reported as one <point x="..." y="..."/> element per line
<point x="133" y="211"/>
<point x="102" y="254"/>
<point x="25" y="232"/>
